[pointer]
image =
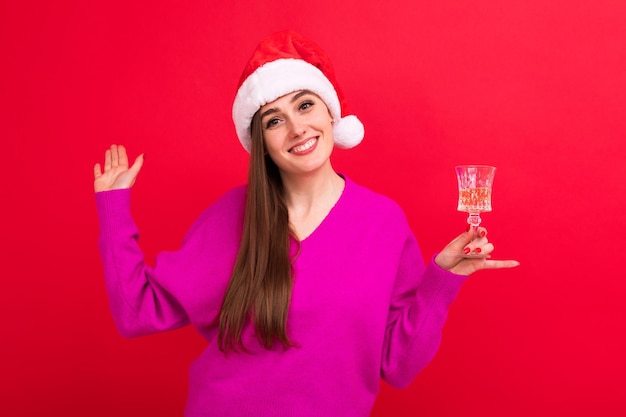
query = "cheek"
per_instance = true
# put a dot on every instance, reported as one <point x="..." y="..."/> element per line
<point x="272" y="142"/>
<point x="328" y="125"/>
<point x="323" y="121"/>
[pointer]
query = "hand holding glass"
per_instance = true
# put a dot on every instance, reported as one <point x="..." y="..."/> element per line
<point x="475" y="184"/>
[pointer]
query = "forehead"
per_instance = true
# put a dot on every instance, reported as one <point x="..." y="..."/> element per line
<point x="287" y="99"/>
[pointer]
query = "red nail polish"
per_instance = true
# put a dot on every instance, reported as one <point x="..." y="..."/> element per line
<point x="468" y="227"/>
<point x="467" y="251"/>
<point x="482" y="233"/>
<point x="478" y="250"/>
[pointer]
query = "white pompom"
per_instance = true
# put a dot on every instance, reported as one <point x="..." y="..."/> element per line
<point x="348" y="131"/>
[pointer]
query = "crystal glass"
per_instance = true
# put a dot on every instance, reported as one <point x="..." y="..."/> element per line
<point x="475" y="185"/>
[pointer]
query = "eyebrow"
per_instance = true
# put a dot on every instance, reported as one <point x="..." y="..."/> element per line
<point x="294" y="98"/>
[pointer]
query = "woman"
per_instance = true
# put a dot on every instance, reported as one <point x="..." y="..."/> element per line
<point x="308" y="287"/>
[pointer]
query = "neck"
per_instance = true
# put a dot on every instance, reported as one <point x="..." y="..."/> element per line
<point x="310" y="197"/>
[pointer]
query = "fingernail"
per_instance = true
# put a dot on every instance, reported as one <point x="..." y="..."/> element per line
<point x="467" y="251"/>
<point x="478" y="250"/>
<point x="482" y="233"/>
<point x="468" y="228"/>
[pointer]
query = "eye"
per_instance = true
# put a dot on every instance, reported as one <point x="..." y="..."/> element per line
<point x="272" y="122"/>
<point x="306" y="105"/>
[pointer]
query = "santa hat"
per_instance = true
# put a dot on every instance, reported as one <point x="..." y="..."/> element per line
<point x="281" y="64"/>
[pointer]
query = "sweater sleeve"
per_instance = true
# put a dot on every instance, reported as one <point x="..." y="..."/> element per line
<point x="419" y="308"/>
<point x="139" y="305"/>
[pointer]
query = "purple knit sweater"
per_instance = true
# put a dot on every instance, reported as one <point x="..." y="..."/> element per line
<point x="363" y="307"/>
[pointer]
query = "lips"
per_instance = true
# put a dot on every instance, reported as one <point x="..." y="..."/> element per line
<point x="304" y="147"/>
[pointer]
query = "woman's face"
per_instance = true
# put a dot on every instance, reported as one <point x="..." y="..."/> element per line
<point x="298" y="132"/>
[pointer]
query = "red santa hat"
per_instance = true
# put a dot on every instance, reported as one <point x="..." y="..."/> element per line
<point x="281" y="64"/>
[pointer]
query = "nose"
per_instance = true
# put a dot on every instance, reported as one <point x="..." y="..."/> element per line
<point x="297" y="128"/>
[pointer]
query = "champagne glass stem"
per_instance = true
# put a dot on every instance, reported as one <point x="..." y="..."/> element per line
<point x="474" y="221"/>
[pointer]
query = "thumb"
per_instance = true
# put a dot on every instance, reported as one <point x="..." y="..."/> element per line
<point x="449" y="257"/>
<point x="133" y="171"/>
<point x="136" y="167"/>
<point x="461" y="241"/>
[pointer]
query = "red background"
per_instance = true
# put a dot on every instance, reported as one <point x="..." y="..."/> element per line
<point x="536" y="88"/>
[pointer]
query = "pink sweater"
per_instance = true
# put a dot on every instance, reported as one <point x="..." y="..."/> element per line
<point x="364" y="306"/>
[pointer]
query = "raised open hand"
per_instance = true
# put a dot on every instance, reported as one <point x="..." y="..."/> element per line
<point x="117" y="174"/>
<point x="450" y="257"/>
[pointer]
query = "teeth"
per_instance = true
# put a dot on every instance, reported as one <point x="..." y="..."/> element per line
<point x="305" y="146"/>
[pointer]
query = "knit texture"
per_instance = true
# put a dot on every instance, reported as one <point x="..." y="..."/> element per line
<point x="364" y="306"/>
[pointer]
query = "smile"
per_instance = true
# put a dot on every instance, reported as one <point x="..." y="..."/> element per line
<point x="304" y="147"/>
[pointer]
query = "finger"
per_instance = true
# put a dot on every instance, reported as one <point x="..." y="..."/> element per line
<point x="492" y="264"/>
<point x="97" y="171"/>
<point x="479" y="245"/>
<point x="137" y="165"/>
<point x="484" y="249"/>
<point x="107" y="160"/>
<point x="453" y="252"/>
<point x="114" y="156"/>
<point x="122" y="156"/>
<point x="459" y="242"/>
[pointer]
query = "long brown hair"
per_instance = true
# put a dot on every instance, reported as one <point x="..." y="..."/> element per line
<point x="262" y="280"/>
